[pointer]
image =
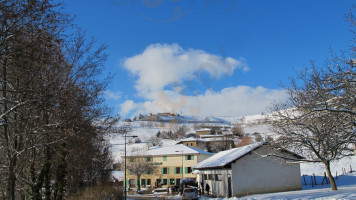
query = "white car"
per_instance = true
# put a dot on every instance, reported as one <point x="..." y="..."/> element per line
<point x="190" y="193"/>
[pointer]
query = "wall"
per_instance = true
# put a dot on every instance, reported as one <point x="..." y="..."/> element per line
<point x="253" y="174"/>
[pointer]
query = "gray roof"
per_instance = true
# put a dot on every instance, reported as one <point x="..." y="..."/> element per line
<point x="225" y="157"/>
<point x="177" y="149"/>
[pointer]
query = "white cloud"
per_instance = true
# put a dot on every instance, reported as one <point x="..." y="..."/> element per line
<point x="233" y="101"/>
<point x="113" y="95"/>
<point x="160" y="65"/>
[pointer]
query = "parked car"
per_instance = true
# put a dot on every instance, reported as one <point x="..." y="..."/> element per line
<point x="190" y="193"/>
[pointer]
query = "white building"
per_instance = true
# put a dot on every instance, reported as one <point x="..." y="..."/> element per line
<point x="248" y="170"/>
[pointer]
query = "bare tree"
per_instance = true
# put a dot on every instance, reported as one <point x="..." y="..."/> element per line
<point x="237" y="129"/>
<point x="156" y="141"/>
<point x="142" y="164"/>
<point x="318" y="121"/>
<point x="50" y="96"/>
<point x="319" y="118"/>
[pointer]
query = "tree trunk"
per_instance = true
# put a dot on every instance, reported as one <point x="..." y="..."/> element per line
<point x="11" y="181"/>
<point x="47" y="173"/>
<point x="330" y="176"/>
<point x="138" y="182"/>
<point x="59" y="188"/>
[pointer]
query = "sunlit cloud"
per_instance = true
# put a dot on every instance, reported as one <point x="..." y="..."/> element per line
<point x="160" y="65"/>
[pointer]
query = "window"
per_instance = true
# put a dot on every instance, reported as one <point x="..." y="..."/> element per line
<point x="164" y="181"/>
<point x="191" y="144"/>
<point x="172" y="182"/>
<point x="164" y="158"/>
<point x="158" y="183"/>
<point x="149" y="172"/>
<point x="132" y="183"/>
<point x="189" y="157"/>
<point x="188" y="170"/>
<point x="211" y="177"/>
<point x="148" y="181"/>
<point x="205" y="177"/>
<point x="143" y="181"/>
<point x="218" y="177"/>
<point x="165" y="170"/>
<point x="132" y="159"/>
<point x="148" y="159"/>
<point x="178" y="171"/>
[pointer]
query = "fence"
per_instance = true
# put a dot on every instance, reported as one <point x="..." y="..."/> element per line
<point x="322" y="180"/>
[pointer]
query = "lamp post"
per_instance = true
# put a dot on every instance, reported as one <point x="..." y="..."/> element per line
<point x="182" y="162"/>
<point x="132" y="136"/>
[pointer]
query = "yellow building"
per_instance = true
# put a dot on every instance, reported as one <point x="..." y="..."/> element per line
<point x="204" y="131"/>
<point x="173" y="163"/>
<point x="192" y="142"/>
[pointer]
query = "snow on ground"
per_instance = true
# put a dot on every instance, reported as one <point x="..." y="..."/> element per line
<point x="346" y="190"/>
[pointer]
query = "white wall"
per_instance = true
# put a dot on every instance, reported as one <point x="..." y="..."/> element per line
<point x="254" y="173"/>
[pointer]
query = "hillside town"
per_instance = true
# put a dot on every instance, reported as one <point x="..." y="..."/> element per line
<point x="215" y="157"/>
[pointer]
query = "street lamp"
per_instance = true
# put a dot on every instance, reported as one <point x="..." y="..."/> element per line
<point x="126" y="136"/>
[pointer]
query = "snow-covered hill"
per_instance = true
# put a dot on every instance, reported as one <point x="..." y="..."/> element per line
<point x="251" y="124"/>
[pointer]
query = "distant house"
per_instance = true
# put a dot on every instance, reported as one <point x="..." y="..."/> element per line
<point x="204" y="131"/>
<point x="220" y="143"/>
<point x="191" y="141"/>
<point x="247" y="170"/>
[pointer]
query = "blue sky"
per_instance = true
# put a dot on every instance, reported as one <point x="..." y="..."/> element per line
<point x="212" y="57"/>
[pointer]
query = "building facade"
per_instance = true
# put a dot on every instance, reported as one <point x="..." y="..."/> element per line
<point x="248" y="170"/>
<point x="172" y="164"/>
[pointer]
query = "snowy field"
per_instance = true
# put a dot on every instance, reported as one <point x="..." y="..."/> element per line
<point x="346" y="190"/>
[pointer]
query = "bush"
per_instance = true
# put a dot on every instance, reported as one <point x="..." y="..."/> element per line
<point x="237" y="130"/>
<point x="246" y="140"/>
<point x="107" y="191"/>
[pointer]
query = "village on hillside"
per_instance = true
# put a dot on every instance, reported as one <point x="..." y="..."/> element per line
<point x="167" y="153"/>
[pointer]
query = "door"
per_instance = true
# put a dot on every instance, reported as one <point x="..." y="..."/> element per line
<point x="229" y="185"/>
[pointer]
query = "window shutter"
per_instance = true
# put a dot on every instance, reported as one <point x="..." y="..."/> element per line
<point x="162" y="170"/>
<point x="167" y="170"/>
<point x="135" y="183"/>
<point x="186" y="170"/>
<point x="127" y="183"/>
<point x="186" y="157"/>
<point x="168" y="181"/>
<point x="175" y="170"/>
<point x="192" y="157"/>
<point x="181" y="170"/>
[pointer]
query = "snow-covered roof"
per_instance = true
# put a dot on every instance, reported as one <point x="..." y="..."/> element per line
<point x="225" y="157"/>
<point x="190" y="139"/>
<point x="177" y="149"/>
<point x="204" y="129"/>
<point x="215" y="136"/>
<point x="117" y="175"/>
